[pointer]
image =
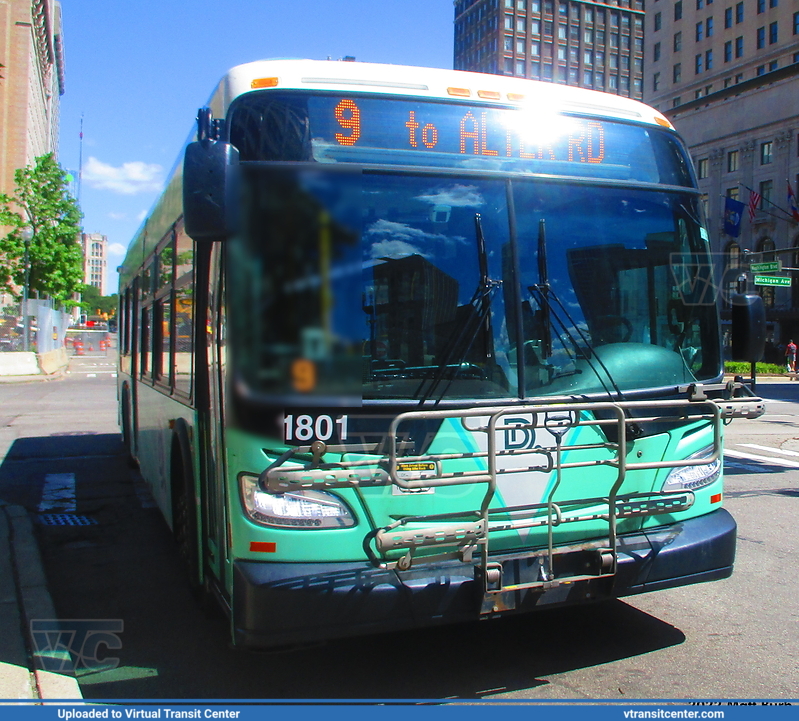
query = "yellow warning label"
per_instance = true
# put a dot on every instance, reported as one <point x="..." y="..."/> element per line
<point x="420" y="466"/>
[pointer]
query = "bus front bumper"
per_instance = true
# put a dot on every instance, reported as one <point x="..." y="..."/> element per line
<point x="278" y="604"/>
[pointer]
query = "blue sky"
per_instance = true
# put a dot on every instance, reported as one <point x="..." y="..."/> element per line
<point x="136" y="72"/>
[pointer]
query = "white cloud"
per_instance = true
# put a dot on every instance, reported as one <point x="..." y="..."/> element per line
<point x="116" y="249"/>
<point x="141" y="215"/>
<point x="117" y="216"/>
<point x="128" y="178"/>
<point x="459" y="196"/>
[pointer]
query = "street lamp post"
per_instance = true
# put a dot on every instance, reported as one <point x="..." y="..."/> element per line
<point x="27" y="236"/>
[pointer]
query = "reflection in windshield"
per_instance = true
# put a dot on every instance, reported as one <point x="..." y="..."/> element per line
<point x="403" y="287"/>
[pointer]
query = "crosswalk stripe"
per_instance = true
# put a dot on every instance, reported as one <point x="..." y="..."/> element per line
<point x="767" y="459"/>
<point x="767" y="448"/>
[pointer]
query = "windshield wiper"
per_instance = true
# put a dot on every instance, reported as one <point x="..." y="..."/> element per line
<point x="462" y="340"/>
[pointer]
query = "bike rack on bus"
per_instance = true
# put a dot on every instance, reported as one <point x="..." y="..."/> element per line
<point x="465" y="536"/>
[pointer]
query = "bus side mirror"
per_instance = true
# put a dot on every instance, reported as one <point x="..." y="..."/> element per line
<point x="206" y="168"/>
<point x="748" y="327"/>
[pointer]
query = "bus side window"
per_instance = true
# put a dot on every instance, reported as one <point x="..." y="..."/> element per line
<point x="184" y="337"/>
<point x="144" y="345"/>
<point x="162" y="339"/>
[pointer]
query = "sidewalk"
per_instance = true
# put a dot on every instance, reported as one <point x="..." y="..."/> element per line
<point x="23" y="598"/>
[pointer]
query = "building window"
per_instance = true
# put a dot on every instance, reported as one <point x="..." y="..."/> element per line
<point x="766" y="153"/>
<point x="739" y="13"/>
<point x="698" y="64"/>
<point x="588" y="57"/>
<point x="521" y="5"/>
<point x="677" y="42"/>
<point x="766" y="189"/>
<point x="709" y="27"/>
<point x="676" y="102"/>
<point x="656" y="52"/>
<point x="599" y="58"/>
<point x="699" y="4"/>
<point x="702" y="168"/>
<point x="521" y="48"/>
<point x="796" y="23"/>
<point x="588" y="36"/>
<point x="508" y="45"/>
<point x="761" y="38"/>
<point x="772" y="33"/>
<point x="708" y="60"/>
<point x="728" y="18"/>
<point x="773" y="3"/>
<point x="678" y="10"/>
<point x="728" y="51"/>
<point x="761" y="6"/>
<point x="677" y="73"/>
<point x="699" y="31"/>
<point x="535" y="49"/>
<point x="655" y="82"/>
<point x="732" y="162"/>
<point x="509" y="22"/>
<point x="588" y="78"/>
<point x="739" y="47"/>
<point x="520" y="70"/>
<point x="521" y="25"/>
<point x="535" y="27"/>
<point x="739" y="78"/>
<point x="760" y="70"/>
<point x="773" y="65"/>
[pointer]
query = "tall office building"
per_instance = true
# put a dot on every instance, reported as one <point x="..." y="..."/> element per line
<point x="589" y="44"/>
<point x="95" y="260"/>
<point x="31" y="84"/>
<point x="727" y="75"/>
<point x="31" y="53"/>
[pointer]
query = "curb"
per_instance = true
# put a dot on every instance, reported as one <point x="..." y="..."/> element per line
<point x="34" y="604"/>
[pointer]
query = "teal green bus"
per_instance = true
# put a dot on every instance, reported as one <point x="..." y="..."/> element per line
<point x="404" y="346"/>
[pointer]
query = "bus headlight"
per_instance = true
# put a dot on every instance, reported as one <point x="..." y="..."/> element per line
<point x="689" y="478"/>
<point x="298" y="509"/>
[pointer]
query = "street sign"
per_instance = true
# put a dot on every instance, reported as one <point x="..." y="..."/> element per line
<point x="770" y="267"/>
<point x="772" y="280"/>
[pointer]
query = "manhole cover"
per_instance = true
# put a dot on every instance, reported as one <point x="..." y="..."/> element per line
<point x="65" y="519"/>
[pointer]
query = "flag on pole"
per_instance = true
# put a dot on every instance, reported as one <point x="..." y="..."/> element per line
<point x="733" y="212"/>
<point x="792" y="203"/>
<point x="754" y="201"/>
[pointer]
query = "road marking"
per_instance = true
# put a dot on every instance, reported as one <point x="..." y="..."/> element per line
<point x="767" y="448"/>
<point x="767" y="459"/>
<point x="58" y="493"/>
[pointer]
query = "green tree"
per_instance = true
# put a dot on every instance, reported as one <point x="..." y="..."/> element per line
<point x="41" y="202"/>
<point x="94" y="302"/>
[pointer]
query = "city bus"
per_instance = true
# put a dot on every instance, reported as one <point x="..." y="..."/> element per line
<point x="405" y="346"/>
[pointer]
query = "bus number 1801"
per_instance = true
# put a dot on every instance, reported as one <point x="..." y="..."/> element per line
<point x="307" y="428"/>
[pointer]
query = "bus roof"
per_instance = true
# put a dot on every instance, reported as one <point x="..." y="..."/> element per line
<point x="434" y="83"/>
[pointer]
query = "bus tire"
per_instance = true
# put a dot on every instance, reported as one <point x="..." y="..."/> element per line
<point x="127" y="428"/>
<point x="184" y="518"/>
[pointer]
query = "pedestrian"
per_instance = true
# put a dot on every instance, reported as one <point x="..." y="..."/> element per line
<point x="790" y="357"/>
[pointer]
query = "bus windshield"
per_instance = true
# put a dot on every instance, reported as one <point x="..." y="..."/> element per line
<point x="410" y="286"/>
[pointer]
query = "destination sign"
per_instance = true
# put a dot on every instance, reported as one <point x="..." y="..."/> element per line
<point x="767" y="267"/>
<point x="772" y="280"/>
<point x="536" y="137"/>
